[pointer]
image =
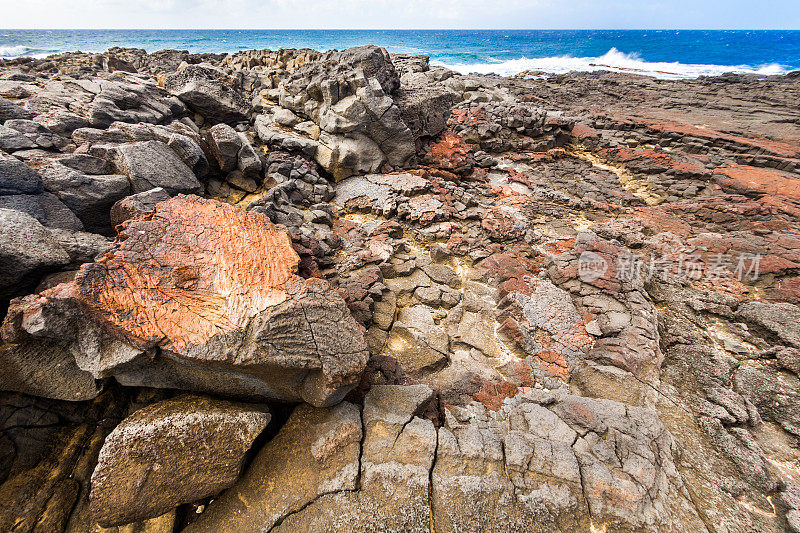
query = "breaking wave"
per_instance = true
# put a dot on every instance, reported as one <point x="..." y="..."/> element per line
<point x="8" y="52"/>
<point x="613" y="60"/>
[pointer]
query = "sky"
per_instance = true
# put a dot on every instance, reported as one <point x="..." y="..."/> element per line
<point x="401" y="14"/>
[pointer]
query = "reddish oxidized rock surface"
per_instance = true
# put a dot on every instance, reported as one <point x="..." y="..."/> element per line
<point x="200" y="296"/>
<point x="746" y="178"/>
<point x="566" y="256"/>
<point x="191" y="270"/>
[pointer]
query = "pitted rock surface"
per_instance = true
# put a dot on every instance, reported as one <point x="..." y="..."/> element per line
<point x="172" y="452"/>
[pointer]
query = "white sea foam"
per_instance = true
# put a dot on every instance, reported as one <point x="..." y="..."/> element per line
<point x="8" y="52"/>
<point x="613" y="60"/>
<point x="13" y="51"/>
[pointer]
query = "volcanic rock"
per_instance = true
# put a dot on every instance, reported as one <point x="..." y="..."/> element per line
<point x="46" y="208"/>
<point x="579" y="291"/>
<point x="219" y="317"/>
<point x="348" y="95"/>
<point x="26" y="249"/>
<point x="9" y="110"/>
<point x="225" y="144"/>
<point x="90" y="197"/>
<point x="18" y="178"/>
<point x="204" y="89"/>
<point x="780" y="319"/>
<point x="137" y="204"/>
<point x="169" y="453"/>
<point x="151" y="164"/>
<point x="316" y="453"/>
<point x="322" y="444"/>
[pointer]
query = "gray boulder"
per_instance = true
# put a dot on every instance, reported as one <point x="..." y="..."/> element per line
<point x="89" y="197"/>
<point x="46" y="208"/>
<point x="137" y="204"/>
<point x="235" y="156"/>
<point x="81" y="246"/>
<point x="248" y="162"/>
<point x="152" y="164"/>
<point x="425" y="108"/>
<point x="202" y="88"/>
<point x="26" y="249"/>
<point x="61" y="121"/>
<point x="189" y="151"/>
<point x="9" y="110"/>
<point x="86" y="163"/>
<point x="17" y="178"/>
<point x="12" y="140"/>
<point x="225" y="144"/>
<point x="131" y="99"/>
<point x="37" y="134"/>
<point x="183" y="141"/>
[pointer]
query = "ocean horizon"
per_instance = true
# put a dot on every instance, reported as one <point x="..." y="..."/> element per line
<point x="660" y="53"/>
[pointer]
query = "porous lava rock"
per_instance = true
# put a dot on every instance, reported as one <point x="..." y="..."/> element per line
<point x="169" y="453"/>
<point x="201" y="296"/>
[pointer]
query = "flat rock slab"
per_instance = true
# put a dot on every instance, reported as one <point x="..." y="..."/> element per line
<point x="546" y="461"/>
<point x="170" y="453"/>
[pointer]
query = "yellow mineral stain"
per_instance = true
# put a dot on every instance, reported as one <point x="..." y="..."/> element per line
<point x="636" y="186"/>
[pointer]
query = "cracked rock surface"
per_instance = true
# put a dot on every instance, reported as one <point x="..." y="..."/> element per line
<point x="177" y="303"/>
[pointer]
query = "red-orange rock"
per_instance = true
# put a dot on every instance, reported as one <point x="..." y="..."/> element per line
<point x="192" y="270"/>
<point x="743" y="178"/>
<point x="584" y="132"/>
<point x="492" y="394"/>
<point x="206" y="298"/>
<point x="501" y="225"/>
<point x="450" y="152"/>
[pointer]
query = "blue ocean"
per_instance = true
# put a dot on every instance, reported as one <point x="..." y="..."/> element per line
<point x="660" y="53"/>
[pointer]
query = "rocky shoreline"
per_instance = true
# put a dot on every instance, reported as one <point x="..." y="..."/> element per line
<point x="303" y="291"/>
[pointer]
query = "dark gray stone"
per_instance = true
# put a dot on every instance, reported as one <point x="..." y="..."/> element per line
<point x="152" y="164"/>
<point x="46" y="208"/>
<point x="18" y="178"/>
<point x="26" y="249"/>
<point x="137" y="204"/>
<point x="200" y="87"/>
<point x="89" y="197"/>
